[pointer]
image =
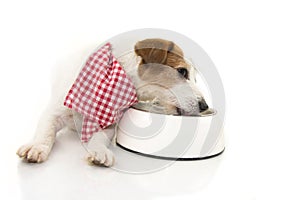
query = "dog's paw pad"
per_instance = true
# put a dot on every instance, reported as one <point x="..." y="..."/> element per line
<point x="101" y="158"/>
<point x="35" y="153"/>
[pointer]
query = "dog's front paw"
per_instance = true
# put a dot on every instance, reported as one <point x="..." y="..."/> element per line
<point x="101" y="158"/>
<point x="34" y="152"/>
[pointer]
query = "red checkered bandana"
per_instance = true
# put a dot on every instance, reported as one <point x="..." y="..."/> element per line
<point x="101" y="92"/>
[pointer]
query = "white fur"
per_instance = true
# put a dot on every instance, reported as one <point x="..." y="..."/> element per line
<point x="56" y="117"/>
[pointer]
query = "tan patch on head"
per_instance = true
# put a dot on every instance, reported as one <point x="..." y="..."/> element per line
<point x="159" y="51"/>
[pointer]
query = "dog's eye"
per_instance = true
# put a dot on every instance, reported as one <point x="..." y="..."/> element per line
<point x="183" y="72"/>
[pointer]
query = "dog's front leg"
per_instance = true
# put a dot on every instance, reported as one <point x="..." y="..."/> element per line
<point x="52" y="120"/>
<point x="98" y="147"/>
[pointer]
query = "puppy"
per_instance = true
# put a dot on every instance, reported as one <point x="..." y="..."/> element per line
<point x="163" y="79"/>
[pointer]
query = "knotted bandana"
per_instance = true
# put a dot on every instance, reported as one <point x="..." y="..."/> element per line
<point x="101" y="92"/>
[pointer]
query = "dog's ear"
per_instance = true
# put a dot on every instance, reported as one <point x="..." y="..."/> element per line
<point x="157" y="51"/>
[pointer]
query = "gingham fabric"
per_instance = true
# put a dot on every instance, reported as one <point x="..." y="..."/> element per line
<point x="101" y="92"/>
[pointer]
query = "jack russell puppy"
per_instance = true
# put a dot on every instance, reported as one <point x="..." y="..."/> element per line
<point x="161" y="76"/>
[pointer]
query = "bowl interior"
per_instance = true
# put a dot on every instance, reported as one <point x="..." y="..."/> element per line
<point x="158" y="111"/>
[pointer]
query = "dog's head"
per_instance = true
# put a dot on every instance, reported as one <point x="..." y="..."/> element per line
<point x="167" y="79"/>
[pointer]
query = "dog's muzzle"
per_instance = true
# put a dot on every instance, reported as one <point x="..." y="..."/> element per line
<point x="202" y="106"/>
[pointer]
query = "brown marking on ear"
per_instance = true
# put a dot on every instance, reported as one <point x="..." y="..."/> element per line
<point x="159" y="51"/>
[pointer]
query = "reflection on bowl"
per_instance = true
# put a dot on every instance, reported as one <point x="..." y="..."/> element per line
<point x="169" y="136"/>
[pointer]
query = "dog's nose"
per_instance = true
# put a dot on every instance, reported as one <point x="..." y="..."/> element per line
<point x="202" y="105"/>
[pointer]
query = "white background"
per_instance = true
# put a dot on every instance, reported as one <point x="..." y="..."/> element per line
<point x="255" y="46"/>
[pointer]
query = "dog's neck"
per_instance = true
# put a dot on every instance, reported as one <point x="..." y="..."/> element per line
<point x="130" y="63"/>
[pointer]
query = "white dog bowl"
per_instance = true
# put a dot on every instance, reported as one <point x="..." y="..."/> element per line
<point x="169" y="136"/>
